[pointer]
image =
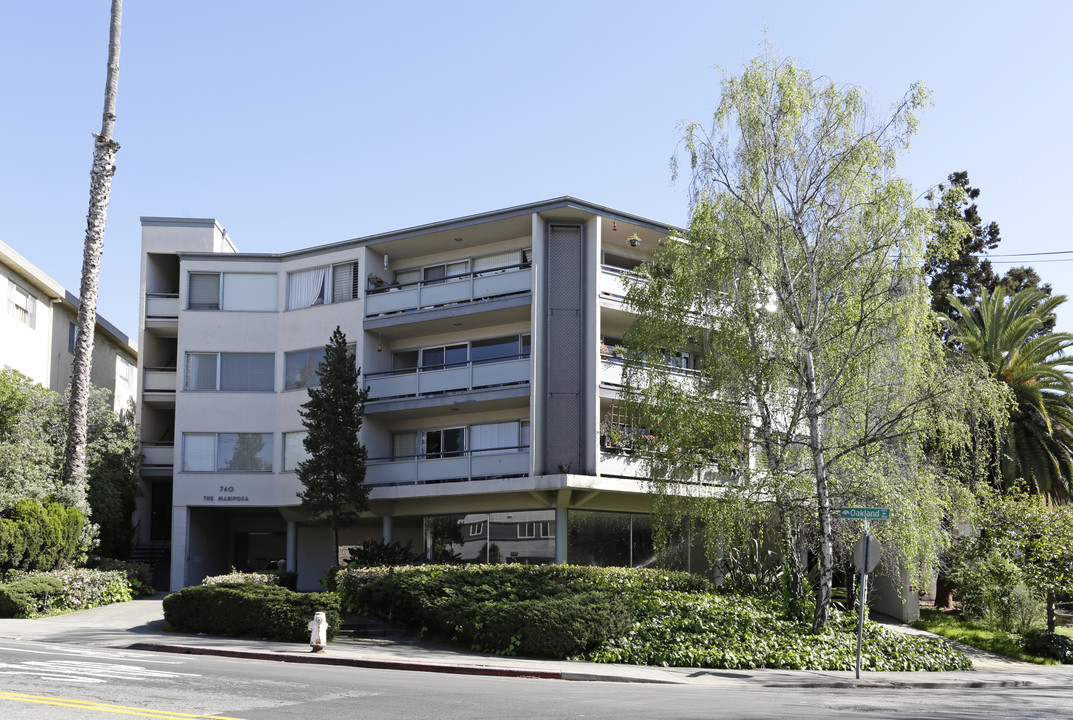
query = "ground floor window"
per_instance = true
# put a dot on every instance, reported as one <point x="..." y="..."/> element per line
<point x="526" y="537"/>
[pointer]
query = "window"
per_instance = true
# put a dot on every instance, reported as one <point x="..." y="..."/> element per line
<point x="449" y="442"/>
<point x="345" y="282"/>
<point x="294" y="450"/>
<point x="231" y="372"/>
<point x="539" y="528"/>
<point x="300" y="367"/>
<point x="444" y="356"/>
<point x="403" y="445"/>
<point x="72" y="337"/>
<point x="436" y="274"/>
<point x="327" y="284"/>
<point x="227" y="452"/>
<point x="492" y="438"/>
<point x="21" y="305"/>
<point x="124" y="384"/>
<point x="498" y="349"/>
<point x="476" y="529"/>
<point x="501" y="262"/>
<point x="253" y="292"/>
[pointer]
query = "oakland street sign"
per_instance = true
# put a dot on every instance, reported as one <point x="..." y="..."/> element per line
<point x="866" y="513"/>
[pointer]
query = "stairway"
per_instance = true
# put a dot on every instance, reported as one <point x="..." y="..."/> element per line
<point x="360" y="627"/>
<point x="154" y="554"/>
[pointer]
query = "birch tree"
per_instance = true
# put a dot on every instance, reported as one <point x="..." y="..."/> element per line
<point x="104" y="153"/>
<point x="799" y="284"/>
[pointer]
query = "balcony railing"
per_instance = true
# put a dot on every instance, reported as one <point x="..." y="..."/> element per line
<point x="159" y="453"/>
<point x="613" y="281"/>
<point x="611" y="373"/>
<point x="633" y="464"/>
<point x="162" y="305"/>
<point x="455" y="377"/>
<point x="159" y="379"/>
<point x="459" y="466"/>
<point x="453" y="289"/>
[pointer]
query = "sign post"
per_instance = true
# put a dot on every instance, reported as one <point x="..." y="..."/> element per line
<point x="866" y="557"/>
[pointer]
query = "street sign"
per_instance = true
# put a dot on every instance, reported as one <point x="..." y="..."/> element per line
<point x="866" y="513"/>
<point x="874" y="550"/>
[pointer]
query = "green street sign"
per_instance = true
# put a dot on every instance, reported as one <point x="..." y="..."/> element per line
<point x="866" y="513"/>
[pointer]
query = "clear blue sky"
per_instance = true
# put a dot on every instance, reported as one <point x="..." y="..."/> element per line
<point x="297" y="124"/>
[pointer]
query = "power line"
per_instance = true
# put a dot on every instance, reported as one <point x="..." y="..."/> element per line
<point x="1056" y="252"/>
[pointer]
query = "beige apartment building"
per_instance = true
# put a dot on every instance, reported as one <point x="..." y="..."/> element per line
<point x="479" y="339"/>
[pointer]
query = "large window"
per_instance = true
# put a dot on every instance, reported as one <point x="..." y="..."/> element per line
<point x="294" y="450"/>
<point x="483" y="439"/>
<point x="227" y="452"/>
<point x="438" y="357"/>
<point x="320" y="285"/>
<point x="231" y="372"/>
<point x="21" y="305"/>
<point x="254" y="292"/>
<point x="300" y="367"/>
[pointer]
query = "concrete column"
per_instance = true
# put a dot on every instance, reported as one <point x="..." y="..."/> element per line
<point x="560" y="536"/>
<point x="292" y="546"/>
<point x="389" y="527"/>
<point x="180" y="538"/>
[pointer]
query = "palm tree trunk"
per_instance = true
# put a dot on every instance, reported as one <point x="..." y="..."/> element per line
<point x="100" y="188"/>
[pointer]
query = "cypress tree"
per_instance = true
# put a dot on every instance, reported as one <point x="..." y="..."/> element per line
<point x="333" y="474"/>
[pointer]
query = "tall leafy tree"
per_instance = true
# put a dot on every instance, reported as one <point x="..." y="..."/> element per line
<point x="799" y="283"/>
<point x="104" y="153"/>
<point x="1005" y="334"/>
<point x="334" y="472"/>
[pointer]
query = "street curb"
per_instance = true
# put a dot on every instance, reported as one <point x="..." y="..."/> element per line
<point x="353" y="662"/>
<point x="569" y="675"/>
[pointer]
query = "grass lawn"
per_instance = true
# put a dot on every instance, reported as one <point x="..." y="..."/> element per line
<point x="978" y="635"/>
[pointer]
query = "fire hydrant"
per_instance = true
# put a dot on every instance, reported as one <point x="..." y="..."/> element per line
<point x="318" y="632"/>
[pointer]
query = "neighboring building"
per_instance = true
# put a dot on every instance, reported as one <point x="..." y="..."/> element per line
<point x="38" y="328"/>
<point x="480" y="341"/>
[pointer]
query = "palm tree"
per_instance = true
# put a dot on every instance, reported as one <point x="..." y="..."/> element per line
<point x="100" y="189"/>
<point x="1008" y="335"/>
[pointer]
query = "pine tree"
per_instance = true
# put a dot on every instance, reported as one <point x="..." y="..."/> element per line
<point x="334" y="472"/>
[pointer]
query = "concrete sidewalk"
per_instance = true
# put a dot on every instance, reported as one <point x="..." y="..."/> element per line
<point x="139" y="625"/>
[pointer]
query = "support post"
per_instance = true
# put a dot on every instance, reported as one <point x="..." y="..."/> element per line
<point x="292" y="546"/>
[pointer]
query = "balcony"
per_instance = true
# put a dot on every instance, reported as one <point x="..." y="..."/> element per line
<point x="460" y="377"/>
<point x="611" y="368"/>
<point x="159" y="385"/>
<point x="159" y="457"/>
<point x="632" y="464"/>
<point x="452" y="290"/>
<point x="465" y="466"/>
<point x="162" y="305"/>
<point x="614" y="280"/>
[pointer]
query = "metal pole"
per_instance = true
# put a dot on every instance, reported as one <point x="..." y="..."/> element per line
<point x="863" y="599"/>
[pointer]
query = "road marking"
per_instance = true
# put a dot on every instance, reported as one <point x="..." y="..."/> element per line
<point x="104" y="707"/>
<point x="87" y="672"/>
<point x="89" y="652"/>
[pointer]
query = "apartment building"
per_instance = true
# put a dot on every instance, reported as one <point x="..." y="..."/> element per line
<point x="38" y="329"/>
<point x="479" y="339"/>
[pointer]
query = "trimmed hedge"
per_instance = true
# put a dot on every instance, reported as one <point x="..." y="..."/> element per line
<point x="538" y="610"/>
<point x="249" y="610"/>
<point x="283" y="578"/>
<point x="39" y="537"/>
<point x="29" y="596"/>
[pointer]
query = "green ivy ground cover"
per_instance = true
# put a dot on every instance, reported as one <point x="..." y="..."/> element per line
<point x="735" y="632"/>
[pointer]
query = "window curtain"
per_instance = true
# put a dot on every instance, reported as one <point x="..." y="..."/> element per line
<point x="247" y="372"/>
<point x="255" y="292"/>
<point x="403" y="446"/>
<point x="294" y="450"/>
<point x="493" y="438"/>
<point x="201" y="371"/>
<point x="204" y="291"/>
<point x="199" y="452"/>
<point x="305" y="288"/>
<point x="491" y="262"/>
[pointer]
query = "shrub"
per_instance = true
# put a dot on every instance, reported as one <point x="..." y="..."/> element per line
<point x="377" y="553"/>
<point x="1049" y="645"/>
<point x="139" y="575"/>
<point x="81" y="588"/>
<point x="39" y="537"/>
<point x="542" y="610"/>
<point x="250" y="610"/>
<point x="992" y="588"/>
<point x="28" y="596"/>
<point x="240" y="578"/>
